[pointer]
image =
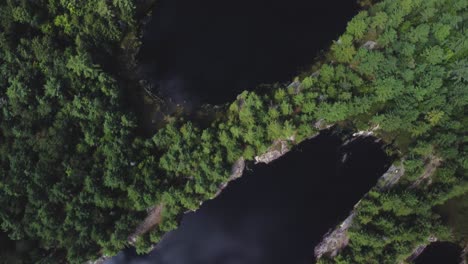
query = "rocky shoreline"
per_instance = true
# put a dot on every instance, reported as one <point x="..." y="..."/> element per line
<point x="337" y="239"/>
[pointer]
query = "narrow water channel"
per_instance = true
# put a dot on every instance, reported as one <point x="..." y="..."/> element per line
<point x="275" y="213"/>
<point x="208" y="51"/>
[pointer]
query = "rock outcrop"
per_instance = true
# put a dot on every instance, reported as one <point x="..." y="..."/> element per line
<point x="152" y="219"/>
<point x="337" y="239"/>
<point x="236" y="171"/>
<point x="370" y="45"/>
<point x="390" y="177"/>
<point x="278" y="149"/>
<point x="417" y="251"/>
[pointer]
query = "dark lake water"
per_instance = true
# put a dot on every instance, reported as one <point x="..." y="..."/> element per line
<point x="275" y="213"/>
<point x="440" y="253"/>
<point x="208" y="51"/>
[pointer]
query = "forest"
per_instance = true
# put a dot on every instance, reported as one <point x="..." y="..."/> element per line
<point x="77" y="177"/>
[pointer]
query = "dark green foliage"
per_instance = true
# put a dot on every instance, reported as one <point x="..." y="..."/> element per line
<point x="65" y="139"/>
<point x="75" y="177"/>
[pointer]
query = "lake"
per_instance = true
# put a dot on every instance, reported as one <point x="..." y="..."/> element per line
<point x="275" y="213"/>
<point x="208" y="51"/>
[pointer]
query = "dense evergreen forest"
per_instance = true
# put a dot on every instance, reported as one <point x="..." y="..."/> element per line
<point x="77" y="178"/>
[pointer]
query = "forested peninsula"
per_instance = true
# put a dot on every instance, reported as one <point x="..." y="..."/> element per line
<point x="78" y="177"/>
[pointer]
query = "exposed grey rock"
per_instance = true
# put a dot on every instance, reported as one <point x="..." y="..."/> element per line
<point x="464" y="255"/>
<point x="390" y="177"/>
<point x="335" y="240"/>
<point x="432" y="163"/>
<point x="236" y="171"/>
<point x="370" y="45"/>
<point x="418" y="250"/>
<point x="98" y="261"/>
<point x="3" y="101"/>
<point x="278" y="149"/>
<point x="321" y="124"/>
<point x="153" y="219"/>
<point x="363" y="133"/>
<point x="366" y="133"/>
<point x="296" y="85"/>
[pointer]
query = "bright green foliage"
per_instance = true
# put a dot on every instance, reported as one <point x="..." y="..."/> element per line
<point x="343" y="49"/>
<point x="358" y="25"/>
